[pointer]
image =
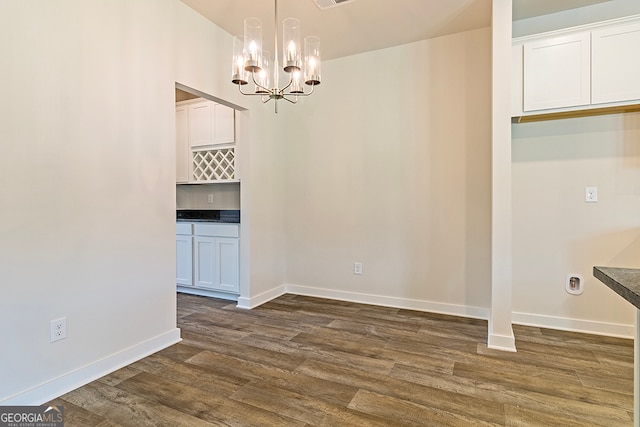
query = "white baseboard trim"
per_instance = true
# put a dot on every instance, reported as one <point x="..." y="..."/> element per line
<point x="502" y="342"/>
<point x="495" y="341"/>
<point x="65" y="383"/>
<point x="262" y="298"/>
<point x="405" y="303"/>
<point x="574" y="325"/>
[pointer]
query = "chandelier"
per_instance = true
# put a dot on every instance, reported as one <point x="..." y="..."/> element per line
<point x="251" y="61"/>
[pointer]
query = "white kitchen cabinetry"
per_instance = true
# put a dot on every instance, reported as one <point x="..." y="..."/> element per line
<point x="210" y="124"/>
<point x="215" y="258"/>
<point x="586" y="70"/>
<point x="201" y="124"/>
<point x="516" y="83"/>
<point x="204" y="262"/>
<point x="557" y="72"/>
<point x="215" y="263"/>
<point x="182" y="144"/>
<point x="205" y="142"/>
<point x="227" y="265"/>
<point x="224" y="131"/>
<point x="184" y="254"/>
<point x="616" y="64"/>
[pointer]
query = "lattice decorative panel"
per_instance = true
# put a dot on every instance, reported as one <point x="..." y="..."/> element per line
<point x="214" y="165"/>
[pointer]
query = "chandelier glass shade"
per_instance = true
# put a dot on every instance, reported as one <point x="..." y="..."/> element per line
<point x="300" y="61"/>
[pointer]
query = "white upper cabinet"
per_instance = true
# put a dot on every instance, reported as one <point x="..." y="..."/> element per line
<point x="182" y="144"/>
<point x="516" y="81"/>
<point x="210" y="124"/>
<point x="201" y="123"/>
<point x="591" y="69"/>
<point x="224" y="124"/>
<point x="557" y="72"/>
<point x="616" y="64"/>
<point x="205" y="142"/>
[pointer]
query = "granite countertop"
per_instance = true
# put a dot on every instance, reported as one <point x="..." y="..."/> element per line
<point x="201" y="215"/>
<point x="623" y="281"/>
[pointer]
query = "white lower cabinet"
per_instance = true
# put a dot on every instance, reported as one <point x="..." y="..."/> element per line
<point x="215" y="263"/>
<point x="204" y="262"/>
<point x="227" y="264"/>
<point x="184" y="254"/>
<point x="184" y="260"/>
<point x="215" y="258"/>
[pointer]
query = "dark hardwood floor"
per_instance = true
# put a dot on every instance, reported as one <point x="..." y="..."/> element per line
<point x="301" y="361"/>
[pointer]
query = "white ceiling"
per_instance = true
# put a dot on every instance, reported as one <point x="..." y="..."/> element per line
<point x="365" y="25"/>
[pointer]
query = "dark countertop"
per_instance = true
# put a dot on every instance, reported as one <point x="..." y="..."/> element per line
<point x="623" y="281"/>
<point x="201" y="215"/>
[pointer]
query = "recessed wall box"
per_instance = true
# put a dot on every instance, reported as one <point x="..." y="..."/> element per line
<point x="574" y="284"/>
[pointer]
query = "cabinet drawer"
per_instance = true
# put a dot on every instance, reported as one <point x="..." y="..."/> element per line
<point x="183" y="228"/>
<point x="217" y="230"/>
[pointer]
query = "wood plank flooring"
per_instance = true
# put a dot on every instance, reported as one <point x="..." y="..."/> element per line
<point x="301" y="361"/>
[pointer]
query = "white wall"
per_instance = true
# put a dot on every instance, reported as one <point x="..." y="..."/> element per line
<point x="263" y="207"/>
<point x="557" y="233"/>
<point x="87" y="195"/>
<point x="389" y="165"/>
<point x="88" y="183"/>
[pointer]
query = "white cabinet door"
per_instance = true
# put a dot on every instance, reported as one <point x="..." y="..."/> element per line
<point x="615" y="70"/>
<point x="227" y="264"/>
<point x="184" y="260"/>
<point x="557" y="72"/>
<point x="203" y="262"/>
<point x="216" y="263"/>
<point x="224" y="124"/>
<point x="211" y="124"/>
<point x="200" y="123"/>
<point x="182" y="144"/>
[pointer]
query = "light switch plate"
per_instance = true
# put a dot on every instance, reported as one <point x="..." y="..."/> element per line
<point x="591" y="194"/>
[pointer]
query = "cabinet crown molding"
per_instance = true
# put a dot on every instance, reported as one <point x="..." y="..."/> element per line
<point x="577" y="29"/>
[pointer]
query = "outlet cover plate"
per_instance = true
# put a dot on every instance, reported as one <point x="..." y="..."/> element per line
<point x="357" y="268"/>
<point x="58" y="329"/>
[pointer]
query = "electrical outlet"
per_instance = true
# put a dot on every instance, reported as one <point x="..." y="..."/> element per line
<point x="591" y="194"/>
<point x="58" y="329"/>
<point x="357" y="268"/>
<point x="210" y="198"/>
